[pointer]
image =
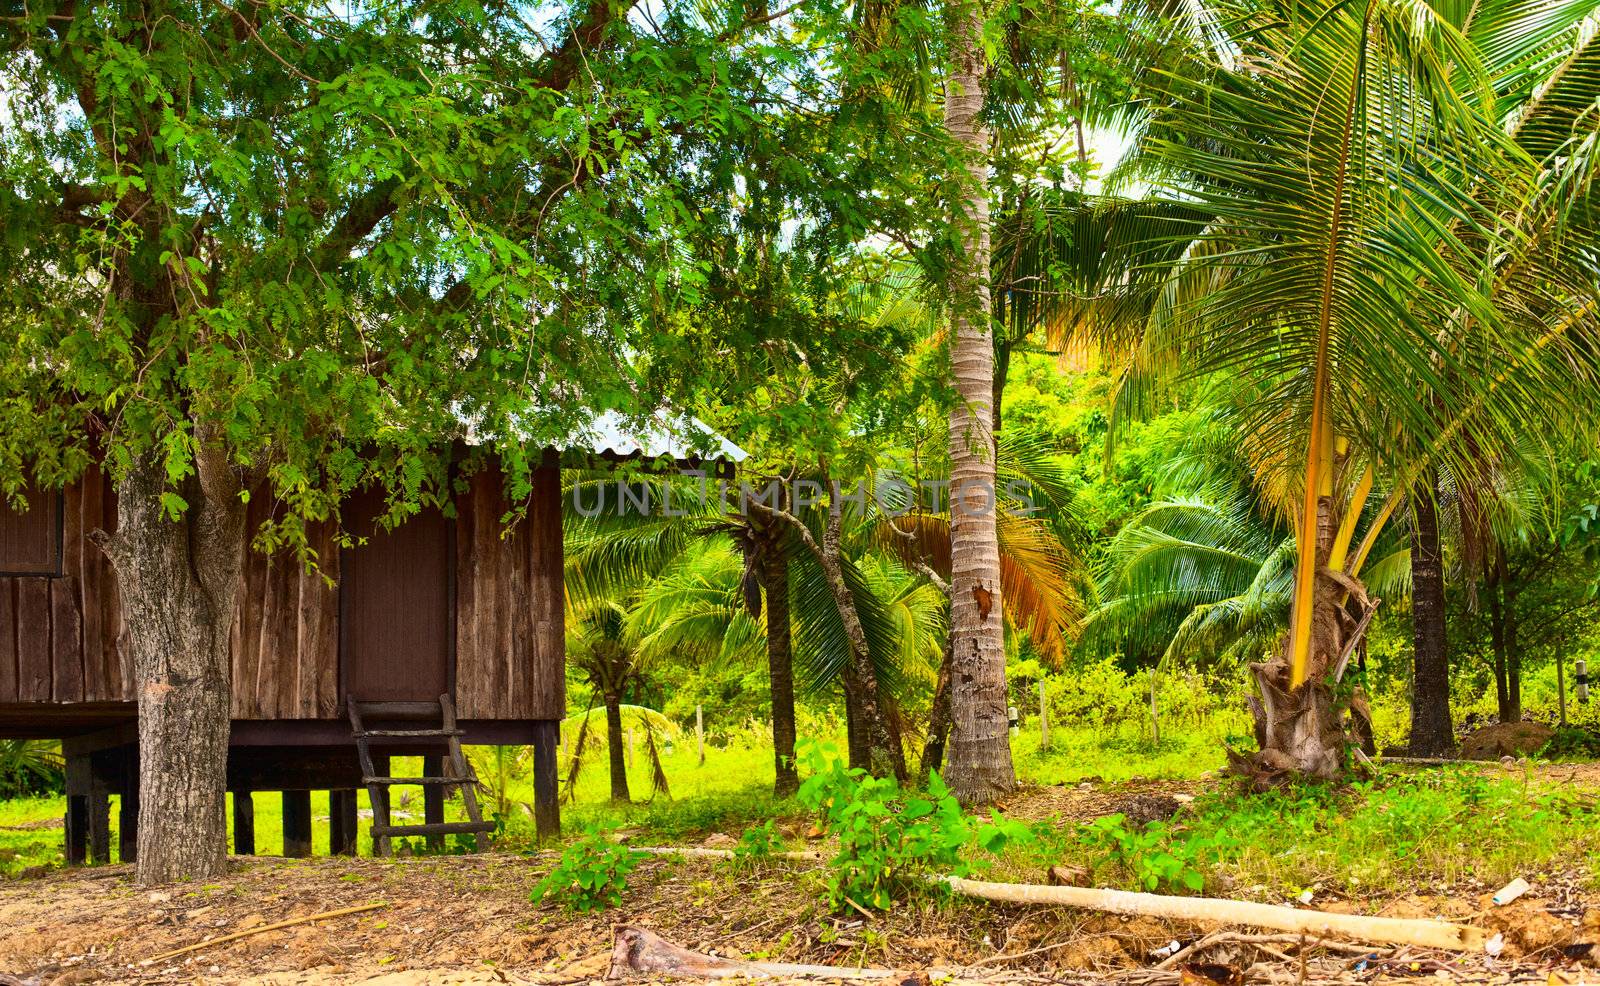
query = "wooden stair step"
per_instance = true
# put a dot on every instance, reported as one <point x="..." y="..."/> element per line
<point x="399" y="710"/>
<point x="399" y="733"/>
<point x="415" y="780"/>
<point x="435" y="828"/>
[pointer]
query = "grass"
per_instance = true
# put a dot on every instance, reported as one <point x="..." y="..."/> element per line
<point x="1407" y="829"/>
<point x="24" y="839"/>
<point x="30" y="833"/>
<point x="1116" y="754"/>
<point x="1432" y="829"/>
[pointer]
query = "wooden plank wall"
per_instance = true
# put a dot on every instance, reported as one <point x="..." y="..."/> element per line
<point x="58" y="636"/>
<point x="510" y="635"/>
<point x="286" y="628"/>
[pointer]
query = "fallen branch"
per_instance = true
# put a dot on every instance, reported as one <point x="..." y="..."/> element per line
<point x="1239" y="938"/>
<point x="643" y="954"/>
<point x="265" y="928"/>
<point x="1320" y="924"/>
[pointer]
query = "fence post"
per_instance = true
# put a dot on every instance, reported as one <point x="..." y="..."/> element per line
<point x="700" y="732"/>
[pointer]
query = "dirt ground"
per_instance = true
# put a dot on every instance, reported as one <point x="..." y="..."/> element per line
<point x="461" y="920"/>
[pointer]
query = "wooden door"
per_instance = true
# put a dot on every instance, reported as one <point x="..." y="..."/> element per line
<point x="397" y="634"/>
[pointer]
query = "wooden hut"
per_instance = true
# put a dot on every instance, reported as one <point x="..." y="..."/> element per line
<point x="441" y="632"/>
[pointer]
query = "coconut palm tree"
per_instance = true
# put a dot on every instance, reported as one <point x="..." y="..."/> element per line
<point x="1356" y="188"/>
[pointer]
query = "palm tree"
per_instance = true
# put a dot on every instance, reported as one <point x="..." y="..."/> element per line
<point x="980" y="752"/>
<point x="600" y="646"/>
<point x="1206" y="580"/>
<point x="614" y="548"/>
<point x="1338" y="276"/>
<point x="30" y="767"/>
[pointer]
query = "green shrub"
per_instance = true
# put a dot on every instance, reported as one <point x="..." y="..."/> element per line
<point x="1572" y="743"/>
<point x="1158" y="856"/>
<point x="757" y="847"/>
<point x="591" y="875"/>
<point x="890" y="840"/>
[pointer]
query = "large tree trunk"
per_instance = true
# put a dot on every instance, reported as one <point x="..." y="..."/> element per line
<point x="780" y="666"/>
<point x="980" y="746"/>
<point x="1431" y="733"/>
<point x="177" y="582"/>
<point x="614" y="751"/>
<point x="1305" y="731"/>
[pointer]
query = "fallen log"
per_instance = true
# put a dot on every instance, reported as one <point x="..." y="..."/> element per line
<point x="1317" y="924"/>
<point x="642" y="954"/>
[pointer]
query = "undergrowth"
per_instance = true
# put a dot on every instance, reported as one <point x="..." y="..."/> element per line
<point x="1399" y="832"/>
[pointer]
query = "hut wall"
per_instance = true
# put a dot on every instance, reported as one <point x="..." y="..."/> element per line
<point x="285" y="629"/>
<point x="59" y="625"/>
<point x="59" y="634"/>
<point x="510" y="634"/>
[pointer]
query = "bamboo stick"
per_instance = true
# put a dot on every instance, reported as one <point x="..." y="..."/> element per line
<point x="1399" y="931"/>
<point x="1320" y="924"/>
<point x="197" y="946"/>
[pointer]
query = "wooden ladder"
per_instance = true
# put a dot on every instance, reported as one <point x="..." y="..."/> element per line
<point x="457" y="771"/>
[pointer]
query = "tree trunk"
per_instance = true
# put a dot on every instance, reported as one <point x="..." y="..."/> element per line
<point x="980" y="746"/>
<point x="780" y="666"/>
<point x="1305" y="731"/>
<point x="874" y="741"/>
<point x="855" y="735"/>
<point x="1497" y="641"/>
<point x="614" y="751"/>
<point x="1002" y="370"/>
<point x="938" y="721"/>
<point x="1431" y="734"/>
<point x="177" y="582"/>
<point x="1513" y="709"/>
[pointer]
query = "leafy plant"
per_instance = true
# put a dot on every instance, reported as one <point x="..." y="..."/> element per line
<point x="757" y="847"/>
<point x="30" y="767"/>
<point x="889" y="839"/>
<point x="1572" y="743"/>
<point x="1157" y="855"/>
<point x="591" y="875"/>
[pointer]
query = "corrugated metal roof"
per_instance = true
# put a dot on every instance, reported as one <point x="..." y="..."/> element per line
<point x="677" y="436"/>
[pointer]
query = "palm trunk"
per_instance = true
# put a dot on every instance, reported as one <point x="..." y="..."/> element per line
<point x="178" y="581"/>
<point x="855" y="734"/>
<point x="1304" y="730"/>
<point x="980" y="745"/>
<point x="1431" y="734"/>
<point x="780" y="667"/>
<point x="619" y="766"/>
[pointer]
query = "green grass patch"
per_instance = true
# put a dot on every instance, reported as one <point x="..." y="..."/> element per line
<point x="31" y="834"/>
<point x="1435" y="828"/>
